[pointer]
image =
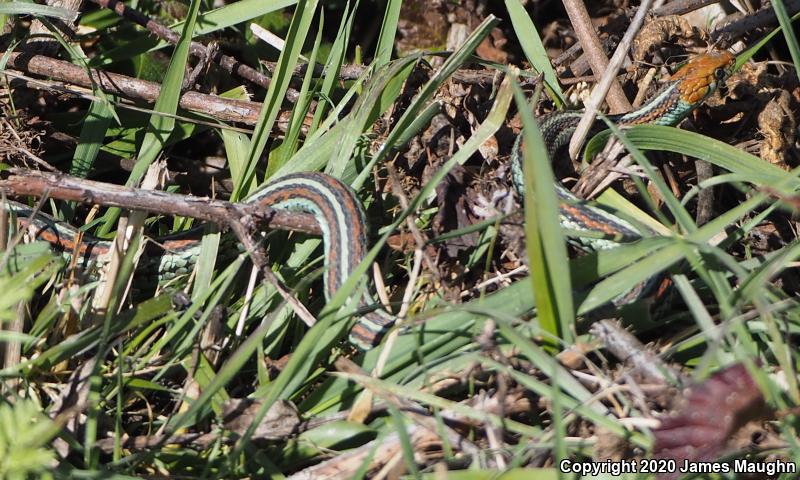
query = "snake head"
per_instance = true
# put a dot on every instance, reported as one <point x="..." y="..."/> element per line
<point x="700" y="76"/>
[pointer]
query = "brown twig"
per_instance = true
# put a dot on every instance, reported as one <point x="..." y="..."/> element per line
<point x="682" y="7"/>
<point x="568" y="55"/>
<point x="574" y="80"/>
<point x="588" y="38"/>
<point x="197" y="49"/>
<point x="259" y="257"/>
<point x="605" y="168"/>
<point x="63" y="88"/>
<point x="20" y="182"/>
<point x="739" y="25"/>
<point x="220" y="108"/>
<point x="607" y="81"/>
<point x="575" y="52"/>
<point x="705" y="197"/>
<point x="623" y="345"/>
<point x="580" y="66"/>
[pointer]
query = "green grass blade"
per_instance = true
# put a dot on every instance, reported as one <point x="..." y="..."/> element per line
<point x="383" y="51"/>
<point x="318" y="148"/>
<point x="426" y="93"/>
<point x="206" y="260"/>
<point x="298" y="31"/>
<point x="186" y="326"/>
<point x="660" y="260"/>
<point x="789" y="33"/>
<point x="209" y="22"/>
<point x="23" y="7"/>
<point x="333" y="65"/>
<point x="377" y="97"/>
<point x="670" y="139"/>
<point x="532" y="46"/>
<point x="93" y="131"/>
<point x="547" y="252"/>
<point x="145" y="313"/>
<point x="237" y="149"/>
<point x="696" y="307"/>
<point x="160" y="127"/>
<point x="678" y="211"/>
<point x="399" y="422"/>
<point x="760" y="278"/>
<point x="750" y="52"/>
<point x="288" y="147"/>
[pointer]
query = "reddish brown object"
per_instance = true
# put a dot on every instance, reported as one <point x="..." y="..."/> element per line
<point x="698" y="76"/>
<point x="713" y="411"/>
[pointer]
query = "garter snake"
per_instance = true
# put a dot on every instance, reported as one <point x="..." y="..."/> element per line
<point x="341" y="215"/>
<point x="686" y="90"/>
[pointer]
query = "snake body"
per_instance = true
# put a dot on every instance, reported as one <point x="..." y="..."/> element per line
<point x="685" y="91"/>
<point x="341" y="215"/>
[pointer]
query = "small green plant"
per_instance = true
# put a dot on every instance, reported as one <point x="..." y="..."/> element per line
<point x="25" y="435"/>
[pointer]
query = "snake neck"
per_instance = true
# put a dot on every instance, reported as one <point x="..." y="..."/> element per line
<point x="668" y="107"/>
<point x="673" y="102"/>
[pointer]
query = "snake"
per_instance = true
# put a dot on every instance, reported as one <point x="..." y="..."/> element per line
<point x="341" y="215"/>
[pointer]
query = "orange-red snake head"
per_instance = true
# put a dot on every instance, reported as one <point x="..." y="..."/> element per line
<point x="701" y="74"/>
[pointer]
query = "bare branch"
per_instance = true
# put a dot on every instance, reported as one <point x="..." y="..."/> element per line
<point x="587" y="35"/>
<point x="20" y="182"/>
<point x="220" y="108"/>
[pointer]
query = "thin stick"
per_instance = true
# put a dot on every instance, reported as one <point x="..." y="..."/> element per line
<point x="197" y="49"/>
<point x="224" y="109"/>
<point x="623" y="345"/>
<point x="237" y="216"/>
<point x="592" y="46"/>
<point x="680" y="7"/>
<point x="742" y="25"/>
<point x="609" y="77"/>
<point x="54" y="86"/>
<point x="21" y="182"/>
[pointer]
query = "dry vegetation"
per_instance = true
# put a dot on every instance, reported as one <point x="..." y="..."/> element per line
<point x="216" y="374"/>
